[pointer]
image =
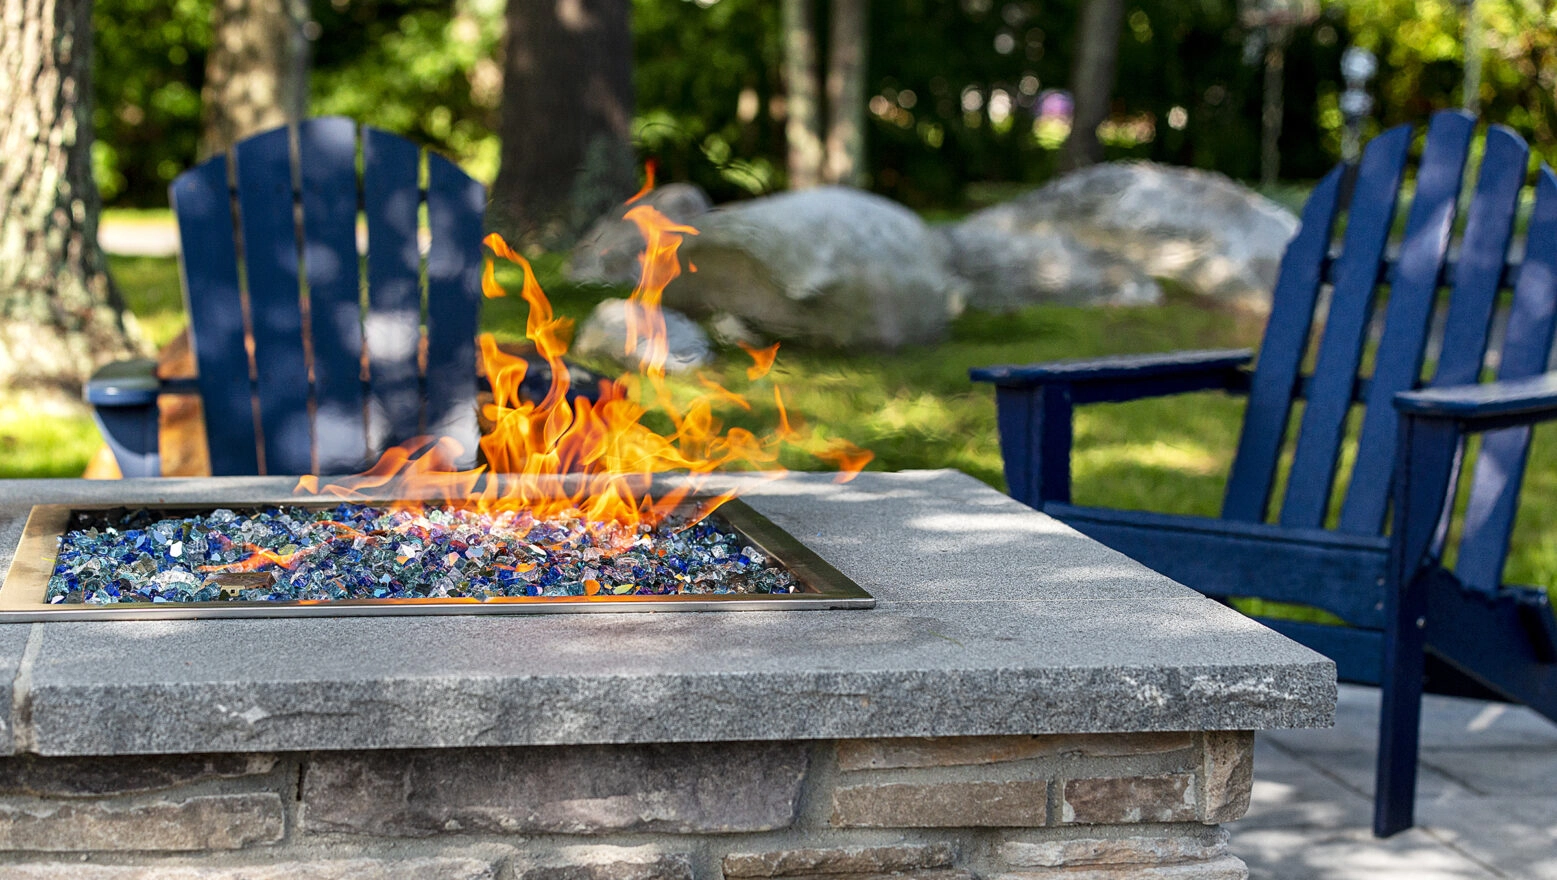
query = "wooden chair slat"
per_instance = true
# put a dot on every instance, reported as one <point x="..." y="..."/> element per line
<point x="327" y="153"/>
<point x="393" y="327"/>
<point x="454" y="262"/>
<point x="1281" y="355"/>
<point x="1413" y="291"/>
<point x="270" y="253"/>
<point x="1527" y="349"/>
<point x="1368" y="222"/>
<point x="208" y="259"/>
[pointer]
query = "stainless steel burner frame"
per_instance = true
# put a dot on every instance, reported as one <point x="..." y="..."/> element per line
<point x="22" y="594"/>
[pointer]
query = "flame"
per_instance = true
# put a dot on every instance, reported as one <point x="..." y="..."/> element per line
<point x="566" y="456"/>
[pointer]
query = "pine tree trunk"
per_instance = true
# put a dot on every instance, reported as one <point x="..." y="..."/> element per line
<point x="566" y="123"/>
<point x="802" y="95"/>
<point x="256" y="72"/>
<point x="1092" y="79"/>
<point x="847" y="51"/>
<point x="60" y="314"/>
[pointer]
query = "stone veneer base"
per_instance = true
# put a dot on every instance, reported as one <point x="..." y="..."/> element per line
<point x="1111" y="806"/>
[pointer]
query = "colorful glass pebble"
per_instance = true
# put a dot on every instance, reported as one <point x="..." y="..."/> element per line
<point x="355" y="551"/>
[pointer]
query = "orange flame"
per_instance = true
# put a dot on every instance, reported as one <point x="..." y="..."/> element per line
<point x="568" y="457"/>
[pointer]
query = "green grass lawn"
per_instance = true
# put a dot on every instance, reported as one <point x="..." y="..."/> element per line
<point x="914" y="408"/>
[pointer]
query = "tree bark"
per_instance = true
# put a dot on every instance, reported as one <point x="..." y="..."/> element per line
<point x="256" y="75"/>
<point x="566" y="119"/>
<point x="847" y="51"/>
<point x="802" y="98"/>
<point x="1092" y="79"/>
<point x="60" y="314"/>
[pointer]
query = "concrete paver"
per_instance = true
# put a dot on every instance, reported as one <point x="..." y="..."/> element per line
<point x="1486" y="803"/>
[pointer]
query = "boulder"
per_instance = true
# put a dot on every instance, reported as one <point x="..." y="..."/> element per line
<point x="829" y="266"/>
<point x="608" y="252"/>
<point x="1200" y="229"/>
<point x="603" y="336"/>
<point x="1007" y="270"/>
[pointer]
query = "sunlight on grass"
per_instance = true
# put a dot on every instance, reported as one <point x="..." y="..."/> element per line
<point x="44" y="437"/>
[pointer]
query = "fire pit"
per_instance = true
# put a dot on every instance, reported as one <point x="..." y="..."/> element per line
<point x="1022" y="702"/>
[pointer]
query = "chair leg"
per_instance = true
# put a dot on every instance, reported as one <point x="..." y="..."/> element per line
<point x="1400" y="717"/>
<point x="1428" y="459"/>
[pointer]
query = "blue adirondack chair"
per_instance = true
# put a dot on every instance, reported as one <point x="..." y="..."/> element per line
<point x="275" y="218"/>
<point x="1411" y="622"/>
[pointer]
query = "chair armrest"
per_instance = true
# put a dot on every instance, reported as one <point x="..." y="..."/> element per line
<point x="123" y="383"/>
<point x="1128" y="377"/>
<point x="1485" y="406"/>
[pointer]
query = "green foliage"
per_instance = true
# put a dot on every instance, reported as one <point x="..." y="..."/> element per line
<point x="149" y="64"/>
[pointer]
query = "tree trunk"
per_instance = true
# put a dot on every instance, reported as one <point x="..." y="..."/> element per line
<point x="256" y="75"/>
<point x="1092" y="79"/>
<point x="566" y="119"/>
<point x="802" y="98"/>
<point x="60" y="314"/>
<point x="847" y="52"/>
<point x="1272" y="107"/>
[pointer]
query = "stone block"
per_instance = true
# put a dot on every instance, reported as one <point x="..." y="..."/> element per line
<point x="1220" y="868"/>
<point x="211" y="822"/>
<point x="436" y="868"/>
<point x="96" y="777"/>
<point x="687" y="788"/>
<point x="1227" y="768"/>
<point x="1169" y="797"/>
<point x="848" y="860"/>
<point x="888" y="754"/>
<point x="608" y="863"/>
<point x="1114" y="851"/>
<point x="942" y="804"/>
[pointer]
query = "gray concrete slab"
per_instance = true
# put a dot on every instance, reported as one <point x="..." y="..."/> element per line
<point x="1088" y="641"/>
<point x="1487" y="806"/>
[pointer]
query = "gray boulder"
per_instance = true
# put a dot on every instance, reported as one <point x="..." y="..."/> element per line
<point x="829" y="266"/>
<point x="603" y="336"/>
<point x="1007" y="270"/>
<point x="1203" y="230"/>
<point x="608" y="253"/>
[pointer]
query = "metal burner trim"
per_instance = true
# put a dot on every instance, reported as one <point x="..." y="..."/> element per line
<point x="21" y="594"/>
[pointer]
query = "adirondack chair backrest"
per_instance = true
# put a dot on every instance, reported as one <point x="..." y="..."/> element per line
<point x="1412" y="277"/>
<point x="303" y="367"/>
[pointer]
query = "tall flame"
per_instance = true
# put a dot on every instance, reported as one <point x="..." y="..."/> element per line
<point x="567" y="457"/>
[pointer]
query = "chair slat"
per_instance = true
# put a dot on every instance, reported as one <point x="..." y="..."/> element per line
<point x="1351" y="307"/>
<point x="393" y="327"/>
<point x="454" y="209"/>
<point x="1413" y="291"/>
<point x="1489" y="517"/>
<point x="1281" y="355"/>
<point x="327" y="153"/>
<point x="1484" y="252"/>
<point x="270" y="246"/>
<point x="208" y="258"/>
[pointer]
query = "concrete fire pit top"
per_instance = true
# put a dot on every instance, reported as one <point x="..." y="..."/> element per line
<point x="991" y="619"/>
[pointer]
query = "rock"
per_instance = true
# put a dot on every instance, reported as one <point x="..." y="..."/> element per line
<point x="1200" y="229"/>
<point x="608" y="252"/>
<point x="1008" y="269"/>
<point x="829" y="266"/>
<point x="603" y="335"/>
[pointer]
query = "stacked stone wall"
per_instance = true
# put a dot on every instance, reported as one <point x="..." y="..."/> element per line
<point x="1058" y="807"/>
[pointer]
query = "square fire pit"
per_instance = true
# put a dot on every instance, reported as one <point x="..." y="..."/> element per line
<point x="24" y="596"/>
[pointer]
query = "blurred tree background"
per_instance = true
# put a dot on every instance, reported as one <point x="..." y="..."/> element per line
<point x="961" y="93"/>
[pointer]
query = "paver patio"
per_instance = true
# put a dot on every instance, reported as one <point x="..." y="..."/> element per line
<point x="1486" y="804"/>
